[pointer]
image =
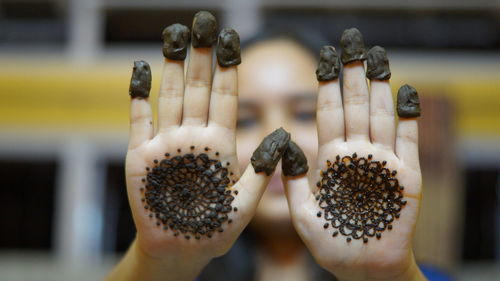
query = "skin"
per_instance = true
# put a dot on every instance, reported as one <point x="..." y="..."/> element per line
<point x="194" y="110"/>
<point x="202" y="112"/>
<point x="365" y="124"/>
<point x="276" y="90"/>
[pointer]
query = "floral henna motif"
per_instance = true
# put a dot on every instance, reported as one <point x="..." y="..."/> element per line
<point x="359" y="197"/>
<point x="189" y="194"/>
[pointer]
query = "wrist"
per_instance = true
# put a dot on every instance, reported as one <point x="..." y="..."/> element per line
<point x="407" y="271"/>
<point x="182" y="265"/>
<point x="412" y="273"/>
<point x="139" y="265"/>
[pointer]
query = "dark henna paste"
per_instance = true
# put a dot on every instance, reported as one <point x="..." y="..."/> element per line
<point x="204" y="31"/>
<point x="189" y="193"/>
<point x="353" y="46"/>
<point x="175" y="41"/>
<point x="228" y="48"/>
<point x="377" y="65"/>
<point x="294" y="162"/>
<point x="360" y="198"/>
<point x="140" y="83"/>
<point x="268" y="154"/>
<point x="408" y="102"/>
<point x="329" y="64"/>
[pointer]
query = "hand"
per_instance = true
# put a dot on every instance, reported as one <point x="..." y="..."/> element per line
<point x="188" y="201"/>
<point x="359" y="216"/>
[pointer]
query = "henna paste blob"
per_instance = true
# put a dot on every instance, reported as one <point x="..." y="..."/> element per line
<point x="408" y="104"/>
<point x="175" y="41"/>
<point x="189" y="194"/>
<point x="329" y="64"/>
<point x="377" y="65"/>
<point x="140" y="83"/>
<point x="204" y="32"/>
<point x="353" y="46"/>
<point x="294" y="162"/>
<point x="266" y="156"/>
<point x="228" y="48"/>
<point x="359" y="197"/>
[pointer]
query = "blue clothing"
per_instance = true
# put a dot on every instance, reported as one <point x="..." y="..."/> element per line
<point x="434" y="274"/>
<point x="430" y="272"/>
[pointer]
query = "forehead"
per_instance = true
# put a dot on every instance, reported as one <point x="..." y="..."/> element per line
<point x="276" y="69"/>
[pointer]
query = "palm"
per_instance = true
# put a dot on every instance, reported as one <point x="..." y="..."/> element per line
<point x="373" y="255"/>
<point x="218" y="141"/>
<point x="183" y="178"/>
<point x="369" y="130"/>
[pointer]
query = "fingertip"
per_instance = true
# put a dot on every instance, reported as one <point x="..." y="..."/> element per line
<point x="377" y="65"/>
<point x="140" y="82"/>
<point x="176" y="39"/>
<point x="228" y="48"/>
<point x="408" y="102"/>
<point x="204" y="30"/>
<point x="353" y="46"/>
<point x="329" y="64"/>
<point x="294" y="161"/>
<point x="269" y="152"/>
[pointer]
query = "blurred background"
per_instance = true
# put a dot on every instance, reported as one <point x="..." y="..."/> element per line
<point x="64" y="75"/>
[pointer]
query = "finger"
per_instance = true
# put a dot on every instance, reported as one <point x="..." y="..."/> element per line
<point x="141" y="122"/>
<point x="224" y="97"/>
<point x="356" y="101"/>
<point x="253" y="182"/>
<point x="199" y="71"/>
<point x="175" y="42"/>
<point x="329" y="111"/>
<point x="382" y="125"/>
<point x="294" y="166"/>
<point x="407" y="136"/>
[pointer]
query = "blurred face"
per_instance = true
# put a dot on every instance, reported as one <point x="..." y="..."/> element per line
<point x="277" y="88"/>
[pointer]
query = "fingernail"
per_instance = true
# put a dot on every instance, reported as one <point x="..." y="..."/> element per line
<point x="140" y="83"/>
<point x="353" y="46"/>
<point x="377" y="66"/>
<point x="204" y="30"/>
<point x="294" y="162"/>
<point x="175" y="41"/>
<point x="329" y="64"/>
<point x="408" y="102"/>
<point x="268" y="154"/>
<point x="228" y="48"/>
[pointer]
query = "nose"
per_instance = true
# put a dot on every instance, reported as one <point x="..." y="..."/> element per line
<point x="275" y="116"/>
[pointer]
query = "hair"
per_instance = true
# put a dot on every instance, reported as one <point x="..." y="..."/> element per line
<point x="310" y="40"/>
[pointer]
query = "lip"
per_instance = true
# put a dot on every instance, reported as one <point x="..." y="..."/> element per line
<point x="275" y="184"/>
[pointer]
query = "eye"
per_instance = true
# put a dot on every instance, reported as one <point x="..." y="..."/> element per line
<point x="305" y="116"/>
<point x="303" y="107"/>
<point x="248" y="115"/>
<point x="246" y="122"/>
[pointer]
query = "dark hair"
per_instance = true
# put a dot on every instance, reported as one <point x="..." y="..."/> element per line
<point x="311" y="40"/>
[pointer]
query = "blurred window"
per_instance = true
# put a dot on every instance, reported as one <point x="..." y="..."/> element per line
<point x="27" y="204"/>
<point x="482" y="211"/>
<point x="433" y="28"/>
<point x="119" y="229"/>
<point x="29" y="22"/>
<point x="140" y="25"/>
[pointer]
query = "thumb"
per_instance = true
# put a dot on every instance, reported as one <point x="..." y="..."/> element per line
<point x="254" y="180"/>
<point x="294" y="166"/>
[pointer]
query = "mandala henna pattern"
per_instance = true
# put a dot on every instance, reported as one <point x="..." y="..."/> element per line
<point x="189" y="194"/>
<point x="359" y="197"/>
